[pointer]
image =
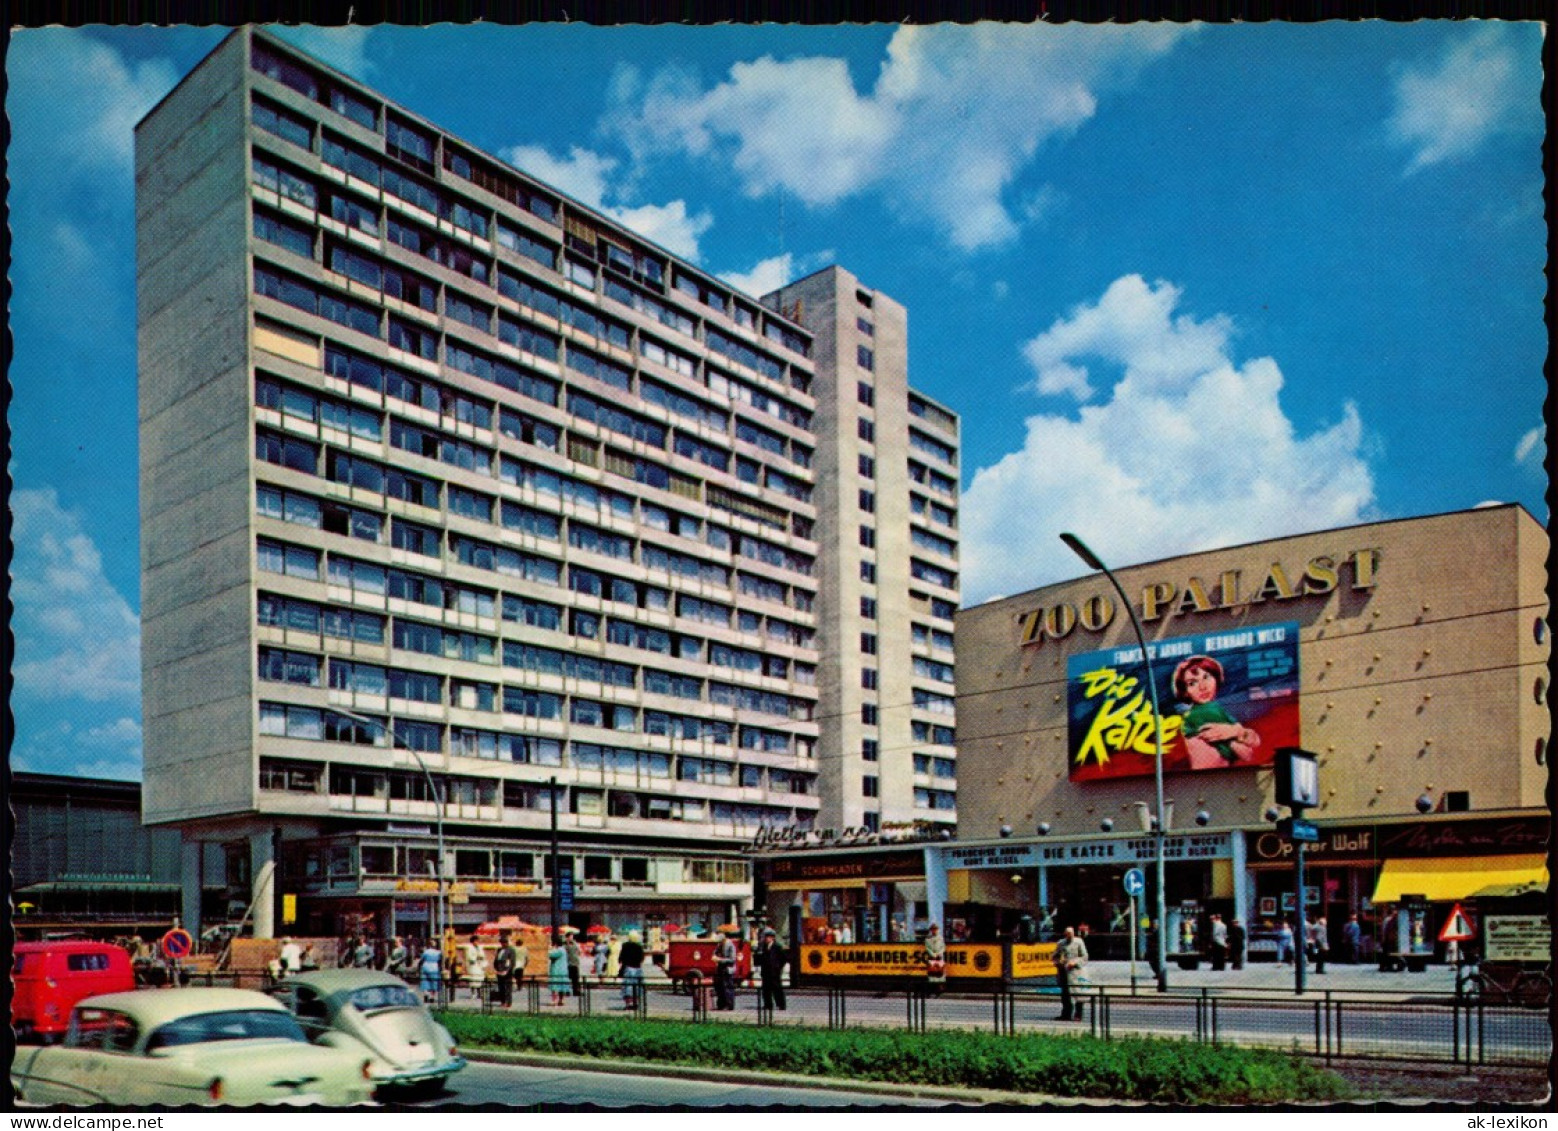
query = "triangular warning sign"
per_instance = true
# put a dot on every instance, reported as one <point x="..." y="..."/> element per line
<point x="1457" y="928"/>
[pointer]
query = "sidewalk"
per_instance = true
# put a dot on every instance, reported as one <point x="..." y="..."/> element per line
<point x="1266" y="977"/>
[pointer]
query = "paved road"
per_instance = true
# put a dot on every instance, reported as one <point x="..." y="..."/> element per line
<point x="528" y="1086"/>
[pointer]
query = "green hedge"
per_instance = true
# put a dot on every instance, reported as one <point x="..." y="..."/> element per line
<point x="1147" y="1069"/>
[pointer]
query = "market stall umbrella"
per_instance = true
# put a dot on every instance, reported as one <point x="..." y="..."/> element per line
<point x="672" y="928"/>
<point x="599" y="929"/>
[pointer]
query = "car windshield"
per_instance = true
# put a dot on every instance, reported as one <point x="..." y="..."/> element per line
<point x="229" y="1025"/>
<point x="371" y="998"/>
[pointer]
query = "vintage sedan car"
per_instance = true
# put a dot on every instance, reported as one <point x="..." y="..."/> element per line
<point x="187" y="1046"/>
<point x="376" y="1016"/>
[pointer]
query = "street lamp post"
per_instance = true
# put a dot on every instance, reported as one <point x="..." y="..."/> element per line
<point x="1160" y="832"/>
<point x="442" y="912"/>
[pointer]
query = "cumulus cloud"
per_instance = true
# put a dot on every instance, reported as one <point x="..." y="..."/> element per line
<point x="955" y="114"/>
<point x="79" y="100"/>
<point x="1444" y="111"/>
<point x="770" y="274"/>
<point x="1531" y="451"/>
<point x="77" y="668"/>
<point x="344" y="48"/>
<point x="587" y="177"/>
<point x="1186" y="449"/>
<point x="76" y="637"/>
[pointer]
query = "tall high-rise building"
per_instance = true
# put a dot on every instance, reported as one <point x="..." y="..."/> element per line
<point x="887" y="516"/>
<point x="477" y="531"/>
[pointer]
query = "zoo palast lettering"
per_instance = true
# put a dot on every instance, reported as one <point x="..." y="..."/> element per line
<point x="1321" y="574"/>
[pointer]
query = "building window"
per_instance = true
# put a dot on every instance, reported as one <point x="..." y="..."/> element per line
<point x="872" y="822"/>
<point x="868" y="678"/>
<point x="868" y="607"/>
<point x="864" y="326"/>
<point x="289" y="777"/>
<point x="289" y="667"/>
<point x="868" y="501"/>
<point x="869" y="714"/>
<point x="870" y="750"/>
<point x="864" y="393"/>
<point x="868" y="572"/>
<point x="868" y="643"/>
<point x="868" y="537"/>
<point x="865" y="357"/>
<point x="869" y="785"/>
<point x="867" y="467"/>
<point x="866" y="430"/>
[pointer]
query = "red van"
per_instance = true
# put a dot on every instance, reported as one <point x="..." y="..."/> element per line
<point x="49" y="978"/>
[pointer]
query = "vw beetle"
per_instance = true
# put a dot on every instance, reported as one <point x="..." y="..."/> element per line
<point x="376" y="1015"/>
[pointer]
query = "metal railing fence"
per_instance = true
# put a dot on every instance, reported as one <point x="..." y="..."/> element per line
<point x="1438" y="1028"/>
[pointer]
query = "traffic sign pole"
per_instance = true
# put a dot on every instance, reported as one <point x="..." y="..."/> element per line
<point x="1134" y="883"/>
<point x="1133" y="945"/>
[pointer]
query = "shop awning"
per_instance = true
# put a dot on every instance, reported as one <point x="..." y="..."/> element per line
<point x="1458" y="877"/>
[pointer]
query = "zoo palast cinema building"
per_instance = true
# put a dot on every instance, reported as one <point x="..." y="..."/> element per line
<point x="1411" y="656"/>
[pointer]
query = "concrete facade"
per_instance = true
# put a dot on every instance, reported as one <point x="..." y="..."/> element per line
<point x="890" y="510"/>
<point x="460" y="501"/>
<point x="1427" y="676"/>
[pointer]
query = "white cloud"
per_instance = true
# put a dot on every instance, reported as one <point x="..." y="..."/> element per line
<point x="1531" y="451"/>
<point x="1446" y="110"/>
<point x="955" y="114"/>
<point x="76" y="637"/>
<point x="1133" y="325"/>
<point x="770" y="274"/>
<point x="78" y="100"/>
<point x="344" y="48"/>
<point x="669" y="225"/>
<point x="1186" y="450"/>
<point x="586" y="176"/>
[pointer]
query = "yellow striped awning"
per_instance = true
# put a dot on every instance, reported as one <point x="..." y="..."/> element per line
<point x="1458" y="877"/>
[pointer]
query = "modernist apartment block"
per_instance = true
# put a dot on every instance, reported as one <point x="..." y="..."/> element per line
<point x="469" y="514"/>
<point x="887" y="514"/>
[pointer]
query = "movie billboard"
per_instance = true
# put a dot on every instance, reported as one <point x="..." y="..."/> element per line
<point x="1228" y="700"/>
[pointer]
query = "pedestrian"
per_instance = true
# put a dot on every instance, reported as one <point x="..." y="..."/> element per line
<point x="846" y="934"/>
<point x="431" y="967"/>
<point x="362" y="954"/>
<point x="614" y="958"/>
<point x="1219" y="946"/>
<point x="310" y="960"/>
<point x="503" y="967"/>
<point x="475" y="966"/>
<point x="631" y="960"/>
<point x="935" y="959"/>
<point x="557" y="970"/>
<point x="771" y="961"/>
<point x="395" y="959"/>
<point x="575" y="956"/>
<point x="1284" y="943"/>
<point x="1352" y="940"/>
<point x="1236" y="941"/>
<point x="1320" y="943"/>
<point x="521" y="960"/>
<point x="1070" y="961"/>
<point x="291" y="957"/>
<point x="599" y="958"/>
<point x="725" y="972"/>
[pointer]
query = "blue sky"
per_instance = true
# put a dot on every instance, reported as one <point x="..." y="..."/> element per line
<point x="1187" y="286"/>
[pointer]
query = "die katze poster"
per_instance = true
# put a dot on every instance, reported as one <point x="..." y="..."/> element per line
<point x="1227" y="699"/>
